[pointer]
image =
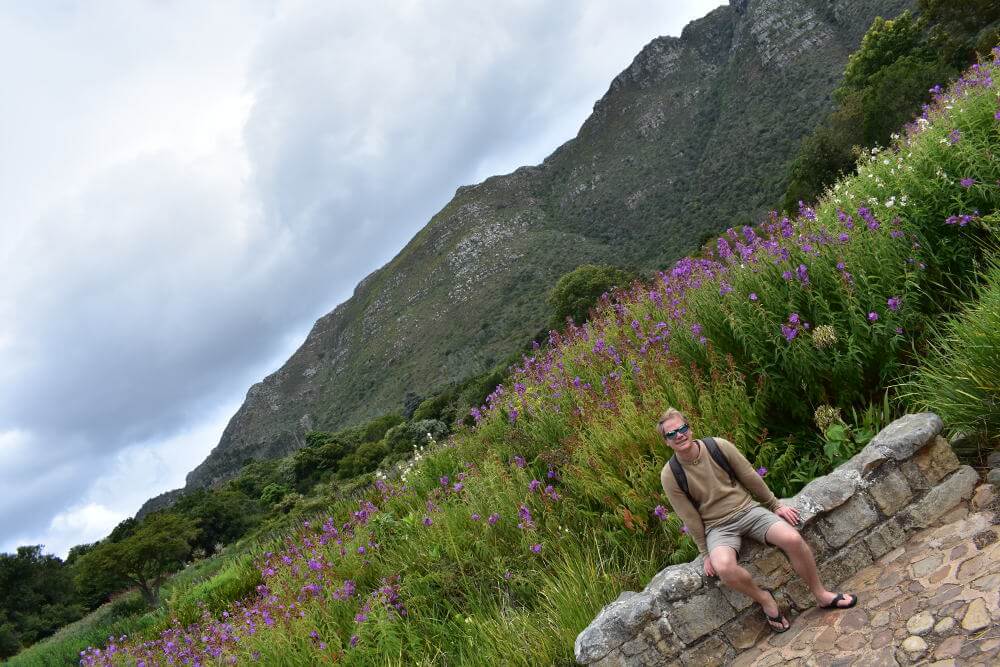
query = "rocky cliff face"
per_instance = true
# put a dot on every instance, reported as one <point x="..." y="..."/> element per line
<point x="693" y="137"/>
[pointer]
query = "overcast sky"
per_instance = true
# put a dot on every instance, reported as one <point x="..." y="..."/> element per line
<point x="186" y="186"/>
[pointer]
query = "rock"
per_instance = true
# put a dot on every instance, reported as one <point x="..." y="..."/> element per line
<point x="982" y="497"/>
<point x="936" y="460"/>
<point x="944" y="626"/>
<point x="826" y="493"/>
<point x="920" y="624"/>
<point x="712" y="651"/>
<point x="993" y="460"/>
<point x="942" y="497"/>
<point x="926" y="565"/>
<point x="619" y="622"/>
<point x="697" y="616"/>
<point x="993" y="477"/>
<point x="914" y="645"/>
<point x="900" y="439"/>
<point x="977" y="617"/>
<point x="854" y="516"/>
<point x="675" y="582"/>
<point x="890" y="492"/>
<point x="843" y="564"/>
<point x="885" y="538"/>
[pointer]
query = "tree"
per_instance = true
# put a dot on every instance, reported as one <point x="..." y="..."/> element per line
<point x="576" y="292"/>
<point x="158" y="547"/>
<point x="36" y="598"/>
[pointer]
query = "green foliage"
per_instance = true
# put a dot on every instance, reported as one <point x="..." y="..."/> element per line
<point x="235" y="581"/>
<point x="576" y="292"/>
<point x="36" y="598"/>
<point x="273" y="493"/>
<point x="158" y="547"/>
<point x="222" y="515"/>
<point x="960" y="377"/>
<point x="436" y="407"/>
<point x="885" y="82"/>
<point x="375" y="429"/>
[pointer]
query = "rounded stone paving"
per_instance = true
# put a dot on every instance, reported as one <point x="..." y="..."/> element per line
<point x="933" y="601"/>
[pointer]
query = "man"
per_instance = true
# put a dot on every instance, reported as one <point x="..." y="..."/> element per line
<point x="723" y="512"/>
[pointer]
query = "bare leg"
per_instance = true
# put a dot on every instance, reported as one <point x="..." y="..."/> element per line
<point x="738" y="579"/>
<point x="801" y="557"/>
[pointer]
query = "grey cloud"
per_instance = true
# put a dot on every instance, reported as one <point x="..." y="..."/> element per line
<point x="163" y="285"/>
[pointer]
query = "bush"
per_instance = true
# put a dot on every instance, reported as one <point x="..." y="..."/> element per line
<point x="577" y="291"/>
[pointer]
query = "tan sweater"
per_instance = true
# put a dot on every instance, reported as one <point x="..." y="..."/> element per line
<point x="718" y="498"/>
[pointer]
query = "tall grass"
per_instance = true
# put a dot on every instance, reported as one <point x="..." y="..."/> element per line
<point x="960" y="376"/>
<point x="502" y="544"/>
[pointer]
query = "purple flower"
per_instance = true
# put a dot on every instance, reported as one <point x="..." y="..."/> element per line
<point x="519" y="461"/>
<point x="789" y="332"/>
<point x="475" y="517"/>
<point x="787" y="275"/>
<point x="873" y="316"/>
<point x="696" y="329"/>
<point x="684" y="529"/>
<point x="893" y="303"/>
<point x="844" y="237"/>
<point x="354" y="641"/>
<point x="899" y="330"/>
<point x="428" y="521"/>
<point x="457" y="486"/>
<point x="534" y="485"/>
<point x="443" y="481"/>
<point x="661" y="512"/>
<point x="725" y="288"/>
<point x="967" y="182"/>
<point x="954" y="137"/>
<point x="753" y="296"/>
<point x="508" y="575"/>
<point x="762" y="471"/>
<point x="537" y="548"/>
<point x="803" y="273"/>
<point x="793" y="318"/>
<point x="493" y="518"/>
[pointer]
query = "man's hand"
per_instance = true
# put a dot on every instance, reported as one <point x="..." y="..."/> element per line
<point x="709" y="568"/>
<point x="789" y="514"/>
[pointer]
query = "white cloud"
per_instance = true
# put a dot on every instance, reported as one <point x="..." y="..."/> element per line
<point x="186" y="186"/>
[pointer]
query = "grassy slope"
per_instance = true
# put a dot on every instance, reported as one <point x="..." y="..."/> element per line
<point x="475" y="592"/>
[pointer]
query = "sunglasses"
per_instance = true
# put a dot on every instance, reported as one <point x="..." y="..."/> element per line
<point x="670" y="435"/>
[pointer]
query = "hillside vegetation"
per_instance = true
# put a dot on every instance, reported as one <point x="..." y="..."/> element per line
<point x="499" y="544"/>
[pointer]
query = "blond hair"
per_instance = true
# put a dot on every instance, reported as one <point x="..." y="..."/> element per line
<point x="669" y="414"/>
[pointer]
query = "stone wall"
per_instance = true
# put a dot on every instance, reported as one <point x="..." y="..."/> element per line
<point x="906" y="478"/>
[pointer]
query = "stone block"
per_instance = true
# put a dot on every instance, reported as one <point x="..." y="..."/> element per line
<point x="712" y="651"/>
<point x="903" y="437"/>
<point x="675" y="582"/>
<point x="914" y="477"/>
<point x="744" y="630"/>
<point x="617" y="623"/>
<point x="825" y="493"/>
<point x="941" y="498"/>
<point x="699" y="615"/>
<point x="852" y="517"/>
<point x="993" y="477"/>
<point x="885" y="538"/>
<point x="983" y="497"/>
<point x="613" y="659"/>
<point x="635" y="646"/>
<point x="890" y="491"/>
<point x="845" y="563"/>
<point x="936" y="460"/>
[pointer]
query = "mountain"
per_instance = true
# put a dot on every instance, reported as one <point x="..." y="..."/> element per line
<point x="693" y="137"/>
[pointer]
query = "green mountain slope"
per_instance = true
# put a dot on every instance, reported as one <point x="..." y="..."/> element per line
<point x="694" y="136"/>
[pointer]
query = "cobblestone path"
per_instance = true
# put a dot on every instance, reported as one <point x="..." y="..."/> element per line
<point x="933" y="601"/>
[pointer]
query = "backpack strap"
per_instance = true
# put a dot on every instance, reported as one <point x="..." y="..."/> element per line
<point x="719" y="458"/>
<point x="681" y="477"/>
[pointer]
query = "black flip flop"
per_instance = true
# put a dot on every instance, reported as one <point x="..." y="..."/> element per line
<point x="838" y="598"/>
<point x="779" y="619"/>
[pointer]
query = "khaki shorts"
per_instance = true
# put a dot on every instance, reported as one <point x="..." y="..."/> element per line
<point x="752" y="522"/>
